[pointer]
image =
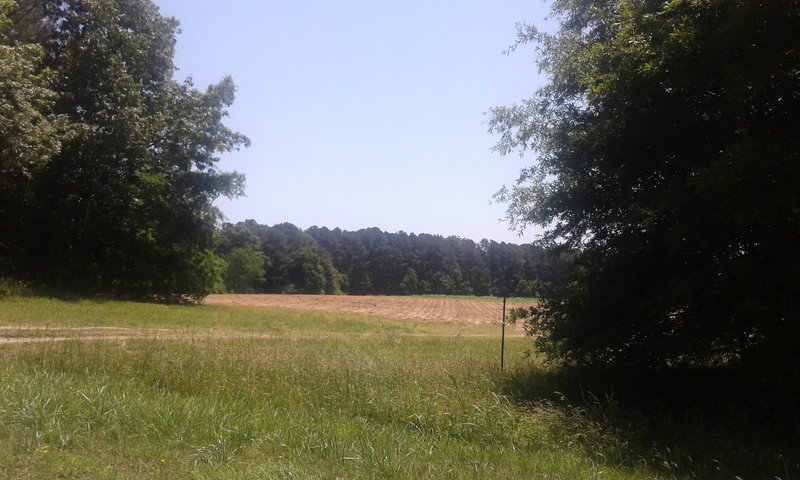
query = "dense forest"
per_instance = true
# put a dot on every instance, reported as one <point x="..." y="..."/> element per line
<point x="285" y="259"/>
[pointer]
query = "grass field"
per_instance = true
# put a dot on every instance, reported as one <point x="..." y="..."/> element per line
<point x="257" y="393"/>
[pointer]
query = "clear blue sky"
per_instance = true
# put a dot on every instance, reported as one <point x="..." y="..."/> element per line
<point x="365" y="113"/>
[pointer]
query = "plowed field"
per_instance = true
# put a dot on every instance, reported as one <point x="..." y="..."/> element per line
<point x="418" y="309"/>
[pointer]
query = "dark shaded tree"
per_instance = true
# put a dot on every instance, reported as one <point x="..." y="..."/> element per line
<point x="667" y="150"/>
<point x="506" y="267"/>
<point x="30" y="133"/>
<point x="411" y="284"/>
<point x="297" y="264"/>
<point x="245" y="270"/>
<point x="125" y="204"/>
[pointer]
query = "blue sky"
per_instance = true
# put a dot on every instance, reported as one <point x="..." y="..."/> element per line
<point x="365" y="113"/>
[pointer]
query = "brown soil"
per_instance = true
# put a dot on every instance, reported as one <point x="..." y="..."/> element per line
<point x="418" y="309"/>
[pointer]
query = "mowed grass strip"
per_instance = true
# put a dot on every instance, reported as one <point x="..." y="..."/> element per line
<point x="59" y="314"/>
<point x="399" y="405"/>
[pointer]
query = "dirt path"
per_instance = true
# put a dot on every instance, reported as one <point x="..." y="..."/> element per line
<point x="418" y="309"/>
<point x="27" y="334"/>
<point x="35" y="334"/>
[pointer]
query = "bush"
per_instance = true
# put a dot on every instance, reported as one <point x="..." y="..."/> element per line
<point x="13" y="288"/>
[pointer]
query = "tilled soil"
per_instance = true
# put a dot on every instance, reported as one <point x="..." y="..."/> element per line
<point x="418" y="309"/>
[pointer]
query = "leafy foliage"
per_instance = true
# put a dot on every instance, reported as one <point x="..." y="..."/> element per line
<point x="667" y="147"/>
<point x="245" y="270"/>
<point x="30" y="133"/>
<point x="13" y="288"/>
<point x="124" y="204"/>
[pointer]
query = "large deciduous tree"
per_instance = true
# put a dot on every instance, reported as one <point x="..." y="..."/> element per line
<point x="125" y="205"/>
<point x="667" y="151"/>
<point x="30" y="133"/>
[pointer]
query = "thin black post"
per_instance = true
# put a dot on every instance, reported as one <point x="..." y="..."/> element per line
<point x="503" y="337"/>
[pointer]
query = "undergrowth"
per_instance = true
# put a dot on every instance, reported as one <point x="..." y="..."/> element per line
<point x="703" y="423"/>
<point x="14" y="288"/>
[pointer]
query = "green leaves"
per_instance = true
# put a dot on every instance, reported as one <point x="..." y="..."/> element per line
<point x="667" y="154"/>
<point x="29" y="133"/>
<point x="125" y="203"/>
<point x="245" y="270"/>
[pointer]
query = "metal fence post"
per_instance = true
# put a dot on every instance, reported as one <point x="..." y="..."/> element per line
<point x="503" y="336"/>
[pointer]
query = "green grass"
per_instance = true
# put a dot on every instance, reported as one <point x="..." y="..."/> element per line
<point x="193" y="318"/>
<point x="46" y="313"/>
<point x="480" y="298"/>
<point x="328" y="396"/>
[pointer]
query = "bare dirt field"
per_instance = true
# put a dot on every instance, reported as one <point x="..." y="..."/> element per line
<point x="418" y="309"/>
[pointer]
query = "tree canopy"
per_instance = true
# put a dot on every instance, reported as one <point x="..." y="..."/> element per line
<point x="667" y="147"/>
<point x="373" y="262"/>
<point x="109" y="165"/>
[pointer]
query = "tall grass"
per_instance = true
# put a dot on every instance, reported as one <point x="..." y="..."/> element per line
<point x="278" y="408"/>
<point x="327" y="396"/>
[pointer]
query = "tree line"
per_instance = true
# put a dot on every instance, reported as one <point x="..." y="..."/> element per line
<point x="285" y="259"/>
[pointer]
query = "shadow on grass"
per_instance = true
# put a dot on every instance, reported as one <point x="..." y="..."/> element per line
<point x="73" y="296"/>
<point x="710" y="423"/>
